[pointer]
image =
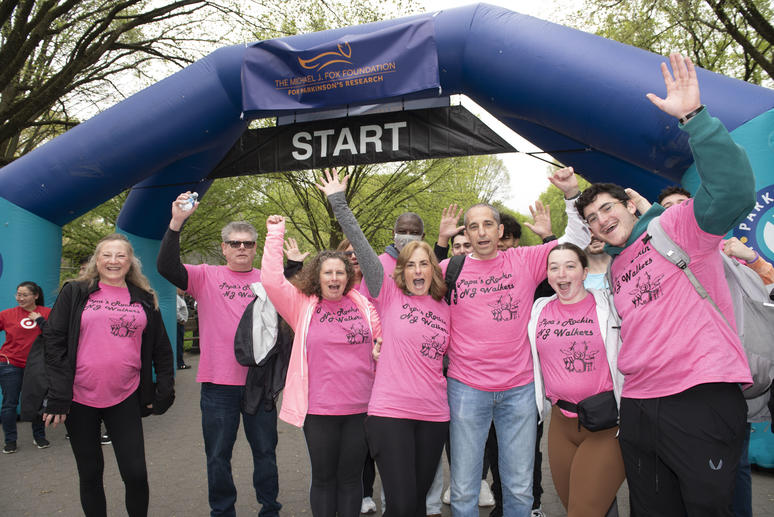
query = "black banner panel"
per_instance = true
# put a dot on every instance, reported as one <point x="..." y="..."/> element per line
<point x="385" y="137"/>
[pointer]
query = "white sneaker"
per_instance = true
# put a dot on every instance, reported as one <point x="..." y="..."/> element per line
<point x="368" y="506"/>
<point x="485" y="496"/>
<point x="446" y="497"/>
<point x="538" y="512"/>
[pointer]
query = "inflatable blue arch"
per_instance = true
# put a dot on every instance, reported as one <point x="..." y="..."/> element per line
<point x="576" y="95"/>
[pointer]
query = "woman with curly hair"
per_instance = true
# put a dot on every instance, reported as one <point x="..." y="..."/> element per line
<point x="408" y="414"/>
<point x="103" y="339"/>
<point x="331" y="369"/>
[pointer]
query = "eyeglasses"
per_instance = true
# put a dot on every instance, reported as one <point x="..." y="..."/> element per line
<point x="604" y="210"/>
<point x="236" y="244"/>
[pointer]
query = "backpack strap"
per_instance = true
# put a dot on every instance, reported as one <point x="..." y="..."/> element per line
<point x="668" y="249"/>
<point x="453" y="269"/>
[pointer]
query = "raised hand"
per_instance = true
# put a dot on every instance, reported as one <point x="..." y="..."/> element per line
<point x="449" y="219"/>
<point x="274" y="219"/>
<point x="330" y="183"/>
<point x="565" y="180"/>
<point x="541" y="214"/>
<point x="178" y="214"/>
<point x="682" y="89"/>
<point x="292" y="252"/>
<point x="642" y="204"/>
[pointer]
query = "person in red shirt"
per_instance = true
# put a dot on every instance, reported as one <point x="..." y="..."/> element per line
<point x="22" y="324"/>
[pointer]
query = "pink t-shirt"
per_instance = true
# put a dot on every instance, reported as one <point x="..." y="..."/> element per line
<point x="341" y="369"/>
<point x="388" y="263"/>
<point x="489" y="349"/>
<point x="673" y="340"/>
<point x="222" y="296"/>
<point x="409" y="375"/>
<point x="107" y="367"/>
<point x="572" y="354"/>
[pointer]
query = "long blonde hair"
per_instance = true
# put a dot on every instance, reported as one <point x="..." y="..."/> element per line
<point x="135" y="276"/>
<point x="437" y="288"/>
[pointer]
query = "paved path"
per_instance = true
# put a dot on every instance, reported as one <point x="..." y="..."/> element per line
<point x="45" y="483"/>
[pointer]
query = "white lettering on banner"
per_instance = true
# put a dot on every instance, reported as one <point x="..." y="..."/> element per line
<point x="304" y="143"/>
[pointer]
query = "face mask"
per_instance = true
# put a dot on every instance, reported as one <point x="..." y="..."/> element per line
<point x="401" y="239"/>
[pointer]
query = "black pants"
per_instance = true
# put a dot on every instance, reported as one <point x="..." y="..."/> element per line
<point x="337" y="450"/>
<point x="369" y="476"/>
<point x="407" y="453"/>
<point x="681" y="452"/>
<point x="123" y="423"/>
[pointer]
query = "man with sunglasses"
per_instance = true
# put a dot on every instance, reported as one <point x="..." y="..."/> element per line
<point x="682" y="415"/>
<point x="222" y="293"/>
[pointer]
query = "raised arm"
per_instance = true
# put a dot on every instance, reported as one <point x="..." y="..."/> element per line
<point x="334" y="189"/>
<point x="285" y="296"/>
<point x="576" y="231"/>
<point x="727" y="190"/>
<point x="168" y="261"/>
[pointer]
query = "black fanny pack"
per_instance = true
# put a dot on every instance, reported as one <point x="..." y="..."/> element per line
<point x="595" y="413"/>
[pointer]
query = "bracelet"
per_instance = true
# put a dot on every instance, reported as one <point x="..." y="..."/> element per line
<point x="684" y="120"/>
<point x="754" y="259"/>
<point x="549" y="238"/>
<point x="576" y="196"/>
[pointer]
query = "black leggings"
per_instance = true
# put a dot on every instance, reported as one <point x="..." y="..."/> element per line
<point x="337" y="450"/>
<point x="123" y="423"/>
<point x="407" y="453"/>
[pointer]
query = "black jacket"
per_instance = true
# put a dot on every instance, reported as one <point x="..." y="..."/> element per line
<point x="61" y="350"/>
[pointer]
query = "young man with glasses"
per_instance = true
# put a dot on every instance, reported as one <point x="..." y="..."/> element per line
<point x="682" y="415"/>
<point x="222" y="293"/>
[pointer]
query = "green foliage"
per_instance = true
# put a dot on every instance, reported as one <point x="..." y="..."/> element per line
<point x="732" y="37"/>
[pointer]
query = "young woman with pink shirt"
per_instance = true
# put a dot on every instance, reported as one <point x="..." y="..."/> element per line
<point x="103" y="340"/>
<point x="408" y="414"/>
<point x="331" y="369"/>
<point x="574" y="343"/>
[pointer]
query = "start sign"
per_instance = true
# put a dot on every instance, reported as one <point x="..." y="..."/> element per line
<point x="385" y="137"/>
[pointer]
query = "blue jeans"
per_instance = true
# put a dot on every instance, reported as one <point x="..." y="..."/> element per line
<point x="515" y="418"/>
<point x="221" y="408"/>
<point x="11" y="383"/>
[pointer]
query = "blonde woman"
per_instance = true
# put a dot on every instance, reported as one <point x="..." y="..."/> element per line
<point x="103" y="340"/>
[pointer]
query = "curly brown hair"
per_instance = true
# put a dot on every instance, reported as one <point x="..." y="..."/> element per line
<point x="437" y="285"/>
<point x="309" y="282"/>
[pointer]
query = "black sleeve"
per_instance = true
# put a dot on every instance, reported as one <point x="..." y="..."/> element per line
<point x="163" y="364"/>
<point x="440" y="252"/>
<point x="59" y="370"/>
<point x="168" y="262"/>
<point x="41" y="323"/>
<point x="292" y="268"/>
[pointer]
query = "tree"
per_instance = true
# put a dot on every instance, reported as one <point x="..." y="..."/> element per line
<point x="732" y="37"/>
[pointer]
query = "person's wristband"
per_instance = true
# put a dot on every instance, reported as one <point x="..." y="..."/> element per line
<point x="756" y="257"/>
<point x="549" y="238"/>
<point x="684" y="120"/>
<point x="576" y="196"/>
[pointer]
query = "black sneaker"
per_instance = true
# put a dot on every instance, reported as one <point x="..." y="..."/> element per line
<point x="10" y="448"/>
<point x="105" y="439"/>
<point x="41" y="443"/>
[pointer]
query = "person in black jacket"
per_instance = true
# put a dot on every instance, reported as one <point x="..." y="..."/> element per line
<point x="104" y="336"/>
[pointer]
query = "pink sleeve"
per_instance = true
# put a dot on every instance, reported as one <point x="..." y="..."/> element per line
<point x="287" y="299"/>
<point x="680" y="223"/>
<point x="195" y="278"/>
<point x="536" y="258"/>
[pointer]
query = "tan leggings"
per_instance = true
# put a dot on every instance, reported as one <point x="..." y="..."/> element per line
<point x="587" y="467"/>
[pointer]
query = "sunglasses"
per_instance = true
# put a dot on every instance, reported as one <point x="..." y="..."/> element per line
<point x="348" y="253"/>
<point x="236" y="244"/>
